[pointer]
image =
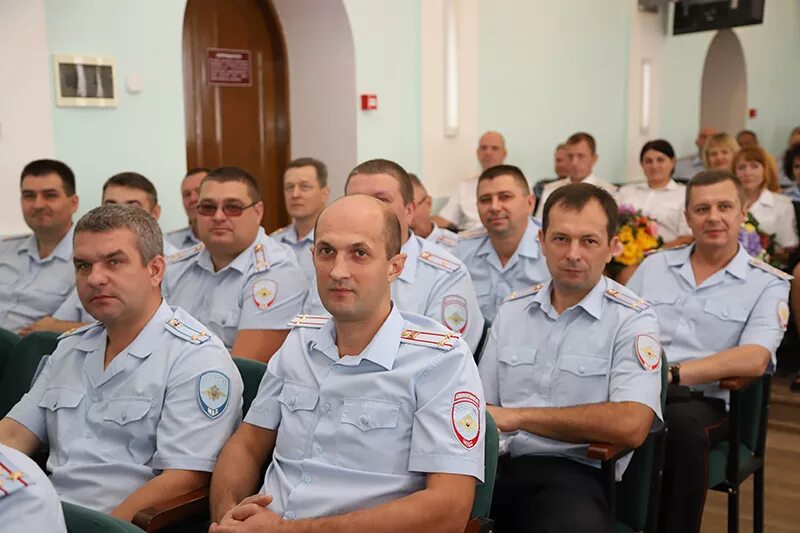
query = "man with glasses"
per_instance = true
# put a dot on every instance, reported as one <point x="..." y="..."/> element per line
<point x="423" y="225"/>
<point x="190" y="189"/>
<point x="240" y="282"/>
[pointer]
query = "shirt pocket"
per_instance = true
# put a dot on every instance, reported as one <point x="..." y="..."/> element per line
<point x="726" y="320"/>
<point x="582" y="379"/>
<point x="129" y="429"/>
<point x="64" y="420"/>
<point x="225" y="324"/>
<point x="516" y="374"/>
<point x="371" y="437"/>
<point x="298" y="404"/>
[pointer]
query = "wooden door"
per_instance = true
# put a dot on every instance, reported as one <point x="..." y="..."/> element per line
<point x="235" y="124"/>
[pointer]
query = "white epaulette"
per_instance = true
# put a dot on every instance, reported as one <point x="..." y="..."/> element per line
<point x="766" y="267"/>
<point x="15" y="237"/>
<point x="637" y="304"/>
<point x="662" y="249"/>
<point x="472" y="233"/>
<point x="524" y="292"/>
<point x="438" y="262"/>
<point x="446" y="240"/>
<point x="442" y="341"/>
<point x="78" y="330"/>
<point x="186" y="253"/>
<point x="261" y="264"/>
<point x="186" y="332"/>
<point x="309" y="321"/>
<point x="12" y="478"/>
<point x="280" y="231"/>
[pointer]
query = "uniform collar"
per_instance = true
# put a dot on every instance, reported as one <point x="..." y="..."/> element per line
<point x="528" y="246"/>
<point x="242" y="261"/>
<point x="592" y="303"/>
<point x="63" y="249"/>
<point x="290" y="235"/>
<point x="381" y="350"/>
<point x="142" y="346"/>
<point x="412" y="249"/>
<point x="736" y="267"/>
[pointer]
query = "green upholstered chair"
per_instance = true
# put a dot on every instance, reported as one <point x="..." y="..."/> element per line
<point x="8" y="339"/>
<point x="479" y="517"/>
<point x="82" y="520"/>
<point x="21" y="367"/>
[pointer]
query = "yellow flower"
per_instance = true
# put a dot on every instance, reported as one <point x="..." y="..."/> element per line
<point x="625" y="234"/>
<point x="749" y="228"/>
<point x="631" y="254"/>
<point x="644" y="240"/>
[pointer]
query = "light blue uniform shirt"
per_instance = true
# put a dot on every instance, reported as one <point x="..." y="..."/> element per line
<point x="29" y="503"/>
<point x="361" y="430"/>
<point x="493" y="281"/>
<point x="263" y="288"/>
<point x="32" y="287"/>
<point x="182" y="238"/>
<point x="444" y="238"/>
<point x="111" y="431"/>
<point x="301" y="248"/>
<point x="740" y="304"/>
<point x="593" y="352"/>
<point x="689" y="166"/>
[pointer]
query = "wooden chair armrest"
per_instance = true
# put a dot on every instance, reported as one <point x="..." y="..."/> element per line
<point x="193" y="504"/>
<point x="479" y="525"/>
<point x="736" y="383"/>
<point x="602" y="451"/>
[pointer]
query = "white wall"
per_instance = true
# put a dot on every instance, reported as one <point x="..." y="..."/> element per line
<point x="26" y="125"/>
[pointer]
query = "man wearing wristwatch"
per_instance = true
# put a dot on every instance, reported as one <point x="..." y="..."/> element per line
<point x="721" y="313"/>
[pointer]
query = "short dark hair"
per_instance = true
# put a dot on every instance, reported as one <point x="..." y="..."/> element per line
<point x="42" y="167"/>
<point x="149" y="239"/>
<point x="788" y="160"/>
<point x="415" y="180"/>
<point x="575" y="196"/>
<point x="575" y="138"/>
<point x="319" y="167"/>
<point x="235" y="174"/>
<point x="384" y="166"/>
<point x="659" y="145"/>
<point x="196" y="170"/>
<point x="712" y="177"/>
<point x="747" y="132"/>
<point x="133" y="180"/>
<point x="506" y="170"/>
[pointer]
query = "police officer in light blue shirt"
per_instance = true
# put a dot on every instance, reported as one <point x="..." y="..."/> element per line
<point x="721" y="313"/>
<point x="28" y="501"/>
<point x="190" y="192"/>
<point x="504" y="255"/>
<point x="361" y="410"/>
<point x="36" y="271"/>
<point x="568" y="362"/>
<point x="135" y="408"/>
<point x="243" y="284"/>
<point x="423" y="225"/>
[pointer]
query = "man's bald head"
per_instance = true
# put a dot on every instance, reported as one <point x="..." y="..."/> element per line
<point x="361" y="211"/>
<point x="491" y="149"/>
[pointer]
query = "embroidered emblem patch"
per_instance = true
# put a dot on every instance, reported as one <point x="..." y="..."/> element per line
<point x="648" y="351"/>
<point x="213" y="389"/>
<point x="466" y="418"/>
<point x="264" y="292"/>
<point x="783" y="314"/>
<point x="454" y="313"/>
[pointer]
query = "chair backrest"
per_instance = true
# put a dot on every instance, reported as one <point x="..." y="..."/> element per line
<point x="751" y="402"/>
<point x="22" y="365"/>
<point x="82" y="520"/>
<point x="252" y="372"/>
<point x="484" y="490"/>
<point x="8" y="339"/>
<point x="482" y="341"/>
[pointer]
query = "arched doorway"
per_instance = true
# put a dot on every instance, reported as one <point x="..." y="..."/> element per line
<point x="234" y="118"/>
<point x="723" y="100"/>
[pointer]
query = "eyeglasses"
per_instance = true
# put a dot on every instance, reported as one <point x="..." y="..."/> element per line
<point x="421" y="200"/>
<point x="230" y="210"/>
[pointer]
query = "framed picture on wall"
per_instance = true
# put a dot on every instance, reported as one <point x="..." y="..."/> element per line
<point x="83" y="81"/>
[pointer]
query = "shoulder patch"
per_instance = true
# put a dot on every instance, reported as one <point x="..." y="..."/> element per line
<point x="261" y="264"/>
<point x="438" y="262"/>
<point x="186" y="253"/>
<point x="12" y="478"/>
<point x="446" y="240"/>
<point x="15" y="237"/>
<point x="442" y="341"/>
<point x="186" y="332"/>
<point x="280" y="231"/>
<point x="637" y="304"/>
<point x="213" y="390"/>
<point x="524" y="292"/>
<point x="309" y="321"/>
<point x="766" y="267"/>
<point x="79" y="330"/>
<point x="472" y="233"/>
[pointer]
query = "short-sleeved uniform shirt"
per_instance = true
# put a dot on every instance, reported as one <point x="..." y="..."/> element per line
<point x="444" y="238"/>
<point x="301" y="248"/>
<point x="32" y="287"/>
<point x="170" y="400"/>
<point x="603" y="349"/>
<point x="28" y="502"/>
<point x="665" y="206"/>
<point x="263" y="288"/>
<point x="361" y="430"/>
<point x="182" y="238"/>
<point x="744" y="303"/>
<point x="493" y="281"/>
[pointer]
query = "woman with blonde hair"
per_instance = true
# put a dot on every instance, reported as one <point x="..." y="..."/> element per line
<point x="773" y="211"/>
<point x="719" y="151"/>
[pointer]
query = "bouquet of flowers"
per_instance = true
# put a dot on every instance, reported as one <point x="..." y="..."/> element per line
<point x="756" y="242"/>
<point x="638" y="235"/>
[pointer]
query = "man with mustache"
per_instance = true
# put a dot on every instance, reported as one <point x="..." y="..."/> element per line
<point x="503" y="256"/>
<point x="242" y="283"/>
<point x="190" y="192"/>
<point x="134" y="408"/>
<point x="36" y="273"/>
<point x="571" y="361"/>
<point x="373" y="418"/>
<point x="721" y="313"/>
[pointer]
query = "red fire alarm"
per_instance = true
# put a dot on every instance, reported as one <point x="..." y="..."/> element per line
<point x="369" y="102"/>
<point x="753" y="112"/>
